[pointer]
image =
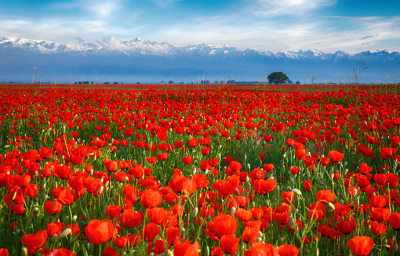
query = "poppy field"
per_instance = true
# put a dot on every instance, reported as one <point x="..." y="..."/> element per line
<point x="87" y="171"/>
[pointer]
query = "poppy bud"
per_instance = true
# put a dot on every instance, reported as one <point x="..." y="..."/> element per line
<point x="331" y="206"/>
<point x="233" y="210"/>
<point x="15" y="195"/>
<point x="24" y="251"/>
<point x="74" y="218"/>
<point x="65" y="233"/>
<point x="195" y="211"/>
<point x="35" y="210"/>
<point x="298" y="192"/>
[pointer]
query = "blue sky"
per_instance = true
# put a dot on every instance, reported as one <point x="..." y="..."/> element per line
<point x="269" y="25"/>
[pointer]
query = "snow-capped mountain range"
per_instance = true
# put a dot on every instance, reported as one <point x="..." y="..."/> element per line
<point x="144" y="60"/>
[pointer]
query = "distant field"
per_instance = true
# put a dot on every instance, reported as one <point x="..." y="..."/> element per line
<point x="251" y="87"/>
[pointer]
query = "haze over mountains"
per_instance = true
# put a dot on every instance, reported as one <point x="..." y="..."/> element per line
<point x="139" y="60"/>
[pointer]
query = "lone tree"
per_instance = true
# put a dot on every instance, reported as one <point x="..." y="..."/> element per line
<point x="277" y="78"/>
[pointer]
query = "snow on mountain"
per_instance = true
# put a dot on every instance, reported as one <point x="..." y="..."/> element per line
<point x="147" y="58"/>
<point x="140" y="46"/>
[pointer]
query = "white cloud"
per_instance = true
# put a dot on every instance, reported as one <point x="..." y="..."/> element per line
<point x="275" y="35"/>
<point x="103" y="8"/>
<point x="284" y="7"/>
<point x="238" y="28"/>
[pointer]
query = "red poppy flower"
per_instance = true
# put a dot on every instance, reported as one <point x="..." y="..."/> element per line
<point x="307" y="185"/>
<point x="221" y="225"/>
<point x="347" y="226"/>
<point x="113" y="211"/>
<point x="309" y="161"/>
<point x="121" y="241"/>
<point x="99" y="231"/>
<point x="294" y="170"/>
<point x="251" y="231"/>
<point x="394" y="221"/>
<point x="64" y="195"/>
<point x="335" y="156"/>
<point x="213" y="162"/>
<point x="36" y="240"/>
<point x="324" y="161"/>
<point x="263" y="186"/>
<point x="45" y="152"/>
<point x="288" y="196"/>
<point x="151" y="230"/>
<point x="4" y="252"/>
<point x="260" y="248"/>
<point x="151" y="198"/>
<point x="52" y="207"/>
<point x="62" y="252"/>
<point x="74" y="229"/>
<point x="325" y="196"/>
<point x="62" y="171"/>
<point x="186" y="248"/>
<point x="288" y="250"/>
<point x="181" y="183"/>
<point x="301" y="153"/>
<point x="282" y="218"/>
<point x="229" y="243"/>
<point x="187" y="159"/>
<point x="55" y="228"/>
<point x="193" y="142"/>
<point x="201" y="181"/>
<point x="378" y="229"/>
<point x="342" y="209"/>
<point x="257" y="174"/>
<point x="364" y="168"/>
<point x="243" y="215"/>
<point x="109" y="251"/>
<point x="393" y="180"/>
<point x="31" y="190"/>
<point x="380" y="214"/>
<point x="130" y="218"/>
<point x="235" y="166"/>
<point x="268" y="167"/>
<point x="205" y="151"/>
<point x="111" y="166"/>
<point x="361" y="245"/>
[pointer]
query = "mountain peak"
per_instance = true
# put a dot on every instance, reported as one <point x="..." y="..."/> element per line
<point x="147" y="47"/>
<point x="110" y="56"/>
